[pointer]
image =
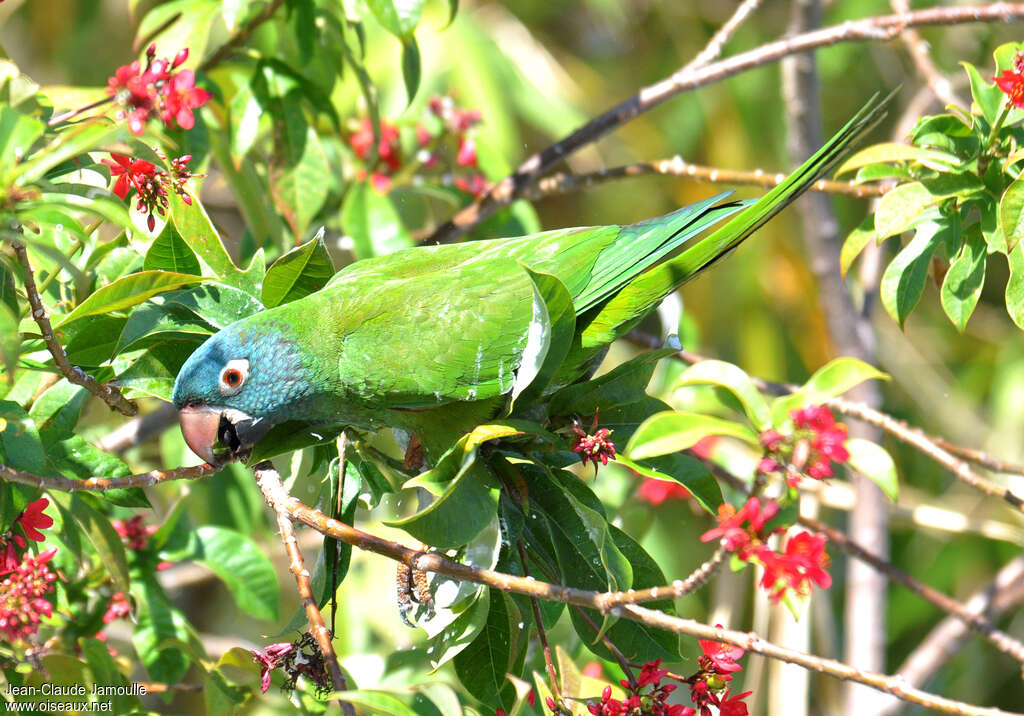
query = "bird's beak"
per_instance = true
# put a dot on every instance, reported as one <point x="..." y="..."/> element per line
<point x="199" y="425"/>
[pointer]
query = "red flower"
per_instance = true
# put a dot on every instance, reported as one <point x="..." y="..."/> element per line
<point x="593" y="448"/>
<point x="32" y="519"/>
<point x="467" y="153"/>
<point x="22" y="605"/>
<point x="804" y="561"/>
<point x="656" y="491"/>
<point x="129" y="172"/>
<point x="134" y="532"/>
<point x="119" y="607"/>
<point x="1011" y="82"/>
<point x="734" y="536"/>
<point x="274" y="656"/>
<point x="650" y="673"/>
<point x="388" y="149"/>
<point x="733" y="706"/>
<point x="181" y="96"/>
<point x="720" y="658"/>
<point x="150" y="183"/>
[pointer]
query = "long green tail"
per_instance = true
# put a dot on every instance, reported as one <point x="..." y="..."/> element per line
<point x="640" y="296"/>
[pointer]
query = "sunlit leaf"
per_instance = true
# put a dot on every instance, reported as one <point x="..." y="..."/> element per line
<point x="872" y="461"/>
<point x="298" y="273"/>
<point x="673" y="431"/>
<point x="129" y="291"/>
<point x="732" y="378"/>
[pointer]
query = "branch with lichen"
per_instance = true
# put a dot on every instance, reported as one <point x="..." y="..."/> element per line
<point x="104" y="391"/>
<point x="885" y="27"/>
<point x="102" y="484"/>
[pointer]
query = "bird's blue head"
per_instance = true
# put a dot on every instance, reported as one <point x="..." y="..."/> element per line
<point x="237" y="385"/>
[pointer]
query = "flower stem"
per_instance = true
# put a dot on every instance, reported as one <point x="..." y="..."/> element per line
<point x="983" y="158"/>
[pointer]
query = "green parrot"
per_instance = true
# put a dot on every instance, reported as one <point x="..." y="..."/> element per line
<point x="435" y="340"/>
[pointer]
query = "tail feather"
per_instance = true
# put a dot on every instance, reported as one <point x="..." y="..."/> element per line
<point x="636" y="299"/>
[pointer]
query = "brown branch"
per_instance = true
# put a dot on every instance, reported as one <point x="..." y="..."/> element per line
<point x="139" y="429"/>
<point x="563" y="182"/>
<point x="677" y="590"/>
<point x="225" y="50"/>
<point x="714" y="47"/>
<point x="107" y="393"/>
<point x="873" y="28"/>
<point x="270" y="485"/>
<point x="979" y="457"/>
<point x="281" y="501"/>
<point x="916" y="45"/>
<point x="102" y="484"/>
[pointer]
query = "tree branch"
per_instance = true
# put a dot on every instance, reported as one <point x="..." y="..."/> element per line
<point x="102" y="484"/>
<point x="873" y="28"/>
<point x="917" y="47"/>
<point x="714" y="47"/>
<point x="270" y="485"/>
<point x="563" y="182"/>
<point x="105" y="392"/>
<point x="281" y="501"/>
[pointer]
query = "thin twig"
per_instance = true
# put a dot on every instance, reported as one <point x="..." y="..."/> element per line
<point x="271" y="486"/>
<point x="979" y="457"/>
<point x="280" y="500"/>
<point x="677" y="590"/>
<point x="563" y="182"/>
<point x="549" y="663"/>
<point x="102" y="484"/>
<point x="243" y="35"/>
<point x="940" y="86"/>
<point x="873" y="28"/>
<point x="104" y="391"/>
<point x="714" y="47"/>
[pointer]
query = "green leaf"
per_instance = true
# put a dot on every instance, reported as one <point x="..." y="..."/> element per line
<point x="152" y="323"/>
<point x="10" y="342"/>
<point x="672" y="431"/>
<point x="69" y="143"/>
<point x="20" y="445"/>
<point x="412" y="69"/>
<point x="855" y="243"/>
<point x="904" y="278"/>
<point x="872" y="461"/>
<point x="373" y="223"/>
<point x="18" y="132"/>
<point x="170" y="252"/>
<point x="987" y="96"/>
<point x="105" y="540"/>
<point x="239" y="562"/>
<point x="78" y="459"/>
<point x="195" y="227"/>
<point x="1014" y="286"/>
<point x="399" y="17"/>
<point x="481" y="666"/>
<point x="1011" y="213"/>
<point x="300" y="190"/>
<point x="888" y="152"/>
<point x="965" y="278"/>
<point x="901" y="209"/>
<point x="56" y="411"/>
<point x="554" y="322"/>
<point x="625" y="384"/>
<point x="298" y="273"/>
<point x="129" y="291"/>
<point x="215" y="303"/>
<point x="732" y="378"/>
<point x="157" y="623"/>
<point x="838" y="376"/>
<point x="291" y="436"/>
<point x="687" y="471"/>
<point x="959" y="184"/>
<point x="949" y="133"/>
<point x="374" y="702"/>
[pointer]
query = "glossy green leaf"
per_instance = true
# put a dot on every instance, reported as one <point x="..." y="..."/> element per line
<point x="195" y="227"/>
<point x="399" y="17"/>
<point x="886" y="152"/>
<point x="20" y="444"/>
<point x="838" y="376"/>
<point x="687" y="471"/>
<point x="152" y="323"/>
<point x="672" y="431"/>
<point x="10" y="342"/>
<point x="964" y="280"/>
<point x="105" y="540"/>
<point x="875" y="463"/>
<point x="158" y="622"/>
<point x="215" y="303"/>
<point x="481" y="667"/>
<point x="855" y="243"/>
<point x="300" y="189"/>
<point x="78" y="459"/>
<point x="1011" y="213"/>
<point x="243" y="567"/>
<point x="901" y="209"/>
<point x="374" y="702"/>
<point x="732" y="378"/>
<point x="1015" y="286"/>
<point x="129" y="291"/>
<point x="371" y="220"/>
<point x="904" y="278"/>
<point x="298" y="273"/>
<point x="170" y="252"/>
<point x="18" y="132"/>
<point x="987" y="97"/>
<point x="625" y="384"/>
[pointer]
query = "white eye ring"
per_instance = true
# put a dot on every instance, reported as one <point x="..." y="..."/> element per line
<point x="233" y="375"/>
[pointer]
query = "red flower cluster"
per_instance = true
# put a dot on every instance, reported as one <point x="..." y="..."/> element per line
<point x="119" y="607"/>
<point x="651" y="703"/>
<point x="150" y="182"/>
<point x="273" y="657"/>
<point x="31" y="520"/>
<point x="156" y="91"/>
<point x="594" y="446"/>
<point x="1011" y="82"/>
<point x="389" y="151"/>
<point x="22" y="602"/>
<point x="136" y="535"/>
<point x="803" y="560"/>
<point x="817" y="442"/>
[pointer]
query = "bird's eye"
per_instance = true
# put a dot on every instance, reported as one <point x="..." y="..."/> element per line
<point x="233" y="376"/>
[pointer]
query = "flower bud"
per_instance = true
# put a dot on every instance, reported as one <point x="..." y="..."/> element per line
<point x="151" y="51"/>
<point x="179" y="59"/>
